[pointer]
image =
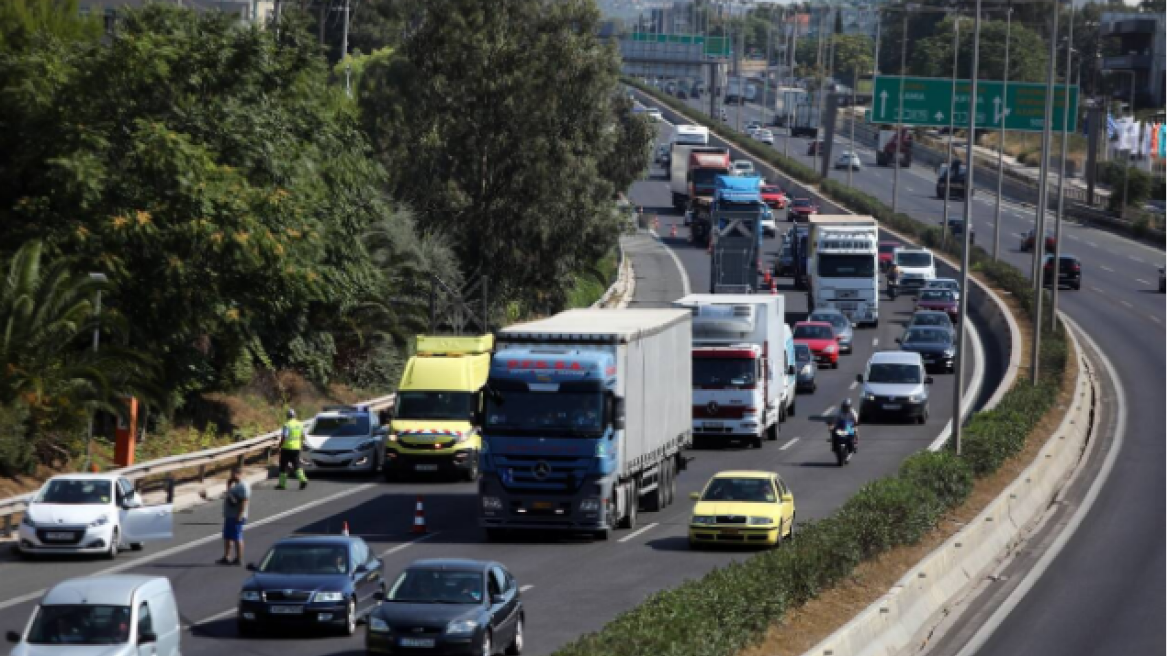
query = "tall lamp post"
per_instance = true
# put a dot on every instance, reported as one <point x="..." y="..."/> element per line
<point x="1002" y="139"/>
<point x="1127" y="153"/>
<point x="952" y="125"/>
<point x="1056" y="264"/>
<point x="101" y="279"/>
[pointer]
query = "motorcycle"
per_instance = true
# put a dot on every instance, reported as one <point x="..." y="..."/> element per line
<point x="843" y="443"/>
<point x="892" y="287"/>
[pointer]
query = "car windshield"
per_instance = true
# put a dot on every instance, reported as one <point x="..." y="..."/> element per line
<point x="453" y="406"/>
<point x="753" y="490"/>
<point x="802" y="353"/>
<point x="560" y="412"/>
<point x="926" y="336"/>
<point x="75" y="492"/>
<point x="437" y="586"/>
<point x="888" y="248"/>
<point x="846" y="266"/>
<point x="801" y="202"/>
<point x="903" y="374"/>
<point x="80" y="625"/>
<point x="838" y="320"/>
<point x="341" y="426"/>
<point x="914" y="259"/>
<point x="723" y="372"/>
<point x="951" y="285"/>
<point x="768" y="189"/>
<point x="936" y="295"/>
<point x="306" y="559"/>
<point x="929" y="319"/>
<point x="813" y="332"/>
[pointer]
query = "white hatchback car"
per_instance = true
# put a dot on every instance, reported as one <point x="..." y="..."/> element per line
<point x="765" y="136"/>
<point x="742" y="167"/>
<point x="91" y="514"/>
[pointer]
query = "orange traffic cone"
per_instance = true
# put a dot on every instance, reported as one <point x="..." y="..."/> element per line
<point x="344" y="528"/>
<point x="774" y="288"/>
<point x="656" y="223"/>
<point x="419" y="518"/>
<point x="673" y="230"/>
<point x="766" y="277"/>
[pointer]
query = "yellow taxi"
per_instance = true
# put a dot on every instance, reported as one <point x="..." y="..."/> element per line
<point x="742" y="507"/>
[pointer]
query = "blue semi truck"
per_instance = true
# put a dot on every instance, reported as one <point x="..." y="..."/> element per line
<point x="587" y="414"/>
<point x="736" y="252"/>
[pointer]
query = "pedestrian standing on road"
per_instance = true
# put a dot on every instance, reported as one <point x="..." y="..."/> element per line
<point x="291" y="438"/>
<point x="235" y="504"/>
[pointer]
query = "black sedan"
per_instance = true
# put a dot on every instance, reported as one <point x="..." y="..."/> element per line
<point x="447" y="606"/>
<point x="311" y="581"/>
<point x="935" y="344"/>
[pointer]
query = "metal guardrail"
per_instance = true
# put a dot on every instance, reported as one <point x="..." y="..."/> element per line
<point x="238" y="452"/>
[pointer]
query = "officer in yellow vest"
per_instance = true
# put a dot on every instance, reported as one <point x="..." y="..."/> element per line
<point x="291" y="438"/>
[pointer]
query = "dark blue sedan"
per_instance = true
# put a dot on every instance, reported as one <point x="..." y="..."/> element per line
<point x="312" y="581"/>
<point x="450" y="607"/>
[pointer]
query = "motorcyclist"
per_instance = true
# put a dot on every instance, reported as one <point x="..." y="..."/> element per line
<point x="846" y="415"/>
<point x="893" y="277"/>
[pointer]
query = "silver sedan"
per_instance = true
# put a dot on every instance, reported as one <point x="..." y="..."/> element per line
<point x="840" y="322"/>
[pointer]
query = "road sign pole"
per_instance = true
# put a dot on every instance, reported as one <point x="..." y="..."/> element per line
<point x="1056" y="264"/>
<point x="1002" y="139"/>
<point x="899" y="114"/>
<point x="1040" y="211"/>
<point x="952" y="125"/>
<point x="962" y="303"/>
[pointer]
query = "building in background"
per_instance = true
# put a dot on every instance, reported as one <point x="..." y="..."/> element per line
<point x="250" y="11"/>
<point x="1140" y="39"/>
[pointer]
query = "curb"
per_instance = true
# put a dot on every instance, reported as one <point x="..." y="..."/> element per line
<point x="620" y="292"/>
<point x="928" y="591"/>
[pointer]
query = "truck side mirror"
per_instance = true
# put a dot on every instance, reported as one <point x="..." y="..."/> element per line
<point x="618" y="413"/>
<point x="790" y="370"/>
<point x="859" y="378"/>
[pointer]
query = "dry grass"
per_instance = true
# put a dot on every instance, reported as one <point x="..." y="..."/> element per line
<point x="804" y="627"/>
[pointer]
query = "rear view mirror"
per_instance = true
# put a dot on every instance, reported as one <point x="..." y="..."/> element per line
<point x="251" y="567"/>
<point x="859" y="378"/>
<point x="12" y="636"/>
<point x="898" y="340"/>
<point x="790" y="370"/>
<point x="618" y="413"/>
<point x="379" y="596"/>
<point x="696" y="496"/>
<point x="147" y="637"/>
<point x="928" y="380"/>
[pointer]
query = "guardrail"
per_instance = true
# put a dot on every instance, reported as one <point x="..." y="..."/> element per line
<point x="169" y="466"/>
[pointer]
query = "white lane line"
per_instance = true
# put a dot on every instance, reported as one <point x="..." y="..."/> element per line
<point x="166" y="553"/>
<point x="1074" y="238"/>
<point x="1092" y="244"/>
<point x="216" y="616"/>
<point x="789" y="444"/>
<point x="1154" y="319"/>
<point x="637" y="532"/>
<point x="830" y="409"/>
<point x="403" y="545"/>
<point x="1125" y="304"/>
<point x="1142" y="281"/>
<point x="525" y="588"/>
<point x="1133" y="258"/>
<point x="853" y="385"/>
<point x="875" y="341"/>
<point x="1096" y="289"/>
<point x="1107" y="268"/>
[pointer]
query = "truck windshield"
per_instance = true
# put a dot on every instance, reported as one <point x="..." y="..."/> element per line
<point x="454" y="406"/>
<point x="80" y="625"/>
<point x="723" y="372"/>
<point x="577" y="413"/>
<point x="914" y="259"/>
<point x="706" y="177"/>
<point x="847" y="266"/>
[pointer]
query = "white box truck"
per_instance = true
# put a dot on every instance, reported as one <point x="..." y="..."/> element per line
<point x="842" y="271"/>
<point x="587" y="414"/>
<point x="742" y="385"/>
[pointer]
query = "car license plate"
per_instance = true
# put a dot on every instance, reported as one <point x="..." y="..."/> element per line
<point x="54" y="535"/>
<point x="892" y="406"/>
<point x="542" y="505"/>
<point x="710" y="425"/>
<point x="287" y="610"/>
<point x="417" y="642"/>
<point x="425" y="467"/>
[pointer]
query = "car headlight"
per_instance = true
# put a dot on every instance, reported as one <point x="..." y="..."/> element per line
<point x="950" y="352"/>
<point x="702" y="519"/>
<point x="868" y="396"/>
<point x="100" y="521"/>
<point x="378" y="625"/>
<point x="328" y="596"/>
<point x="367" y="445"/>
<point x="492" y="503"/>
<point x="250" y="595"/>
<point x="806" y="370"/>
<point x="829" y="349"/>
<point x="461" y="627"/>
<point x="590" y="505"/>
<point x="27" y="521"/>
<point x="760" y="521"/>
<point x="918" y="397"/>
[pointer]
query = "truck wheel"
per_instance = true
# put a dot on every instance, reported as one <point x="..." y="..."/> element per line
<point x="629" y="521"/>
<point x="671" y="488"/>
<point x="756" y="442"/>
<point x="773" y="432"/>
<point x="655" y="500"/>
<point x="472" y="474"/>
<point x="387" y="473"/>
<point x="601" y="535"/>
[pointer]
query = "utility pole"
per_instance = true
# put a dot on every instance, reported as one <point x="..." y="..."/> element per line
<point x="963" y="301"/>
<point x="818" y="100"/>
<point x="1056" y="264"/>
<point x="345" y="52"/>
<point x="1002" y="138"/>
<point x="1043" y="191"/>
<point x="900" y="113"/>
<point x="952" y="125"/>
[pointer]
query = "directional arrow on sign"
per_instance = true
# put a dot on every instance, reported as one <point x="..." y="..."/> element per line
<point x="884" y="103"/>
<point x="939" y="116"/>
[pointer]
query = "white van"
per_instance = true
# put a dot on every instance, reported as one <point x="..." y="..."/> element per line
<point x="117" y="615"/>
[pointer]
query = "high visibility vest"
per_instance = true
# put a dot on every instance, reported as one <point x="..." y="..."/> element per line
<point x="293" y="434"/>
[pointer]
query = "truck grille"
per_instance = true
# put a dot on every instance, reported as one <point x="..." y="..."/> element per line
<point x="718" y="411"/>
<point x="547" y="474"/>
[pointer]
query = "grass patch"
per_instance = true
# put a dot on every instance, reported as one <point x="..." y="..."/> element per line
<point x="589" y="285"/>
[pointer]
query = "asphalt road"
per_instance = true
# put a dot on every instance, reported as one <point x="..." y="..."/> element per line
<point x="1104" y="594"/>
<point x="571" y="585"/>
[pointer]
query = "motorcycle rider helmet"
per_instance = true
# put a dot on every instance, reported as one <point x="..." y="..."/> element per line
<point x="846" y="405"/>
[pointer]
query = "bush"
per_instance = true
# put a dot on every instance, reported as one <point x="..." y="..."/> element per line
<point x="942" y="473"/>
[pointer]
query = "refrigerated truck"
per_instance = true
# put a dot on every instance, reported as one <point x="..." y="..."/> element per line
<point x="843" y="268"/>
<point x="587" y="414"/>
<point x="741" y="370"/>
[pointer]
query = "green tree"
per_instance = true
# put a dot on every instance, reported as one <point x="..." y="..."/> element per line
<point x="933" y="56"/>
<point x="22" y="21"/>
<point x="497" y="123"/>
<point x="853" y="57"/>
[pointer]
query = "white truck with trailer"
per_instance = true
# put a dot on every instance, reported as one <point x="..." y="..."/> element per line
<point x="586" y="418"/>
<point x="843" y="269"/>
<point x="741" y="373"/>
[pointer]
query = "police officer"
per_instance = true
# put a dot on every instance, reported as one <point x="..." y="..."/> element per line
<point x="291" y="437"/>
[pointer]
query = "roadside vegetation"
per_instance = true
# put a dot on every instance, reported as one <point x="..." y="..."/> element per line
<point x="267" y="240"/>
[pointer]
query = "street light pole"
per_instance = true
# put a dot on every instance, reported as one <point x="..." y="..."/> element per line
<point x="962" y="302"/>
<point x="952" y="125"/>
<point x="1043" y="193"/>
<point x="100" y="278"/>
<point x="1056" y="264"/>
<point x="900" y="114"/>
<point x="1002" y="139"/>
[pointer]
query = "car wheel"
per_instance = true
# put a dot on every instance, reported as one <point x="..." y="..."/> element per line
<point x="516" y="646"/>
<point x="487" y="648"/>
<point x="136" y="546"/>
<point x="772" y="432"/>
<point x="791" y="527"/>
<point x="388" y="474"/>
<point x="835" y="365"/>
<point x="377" y="464"/>
<point x="350" y="625"/>
<point x="114" y="545"/>
<point x="472" y="474"/>
<point x="245" y="629"/>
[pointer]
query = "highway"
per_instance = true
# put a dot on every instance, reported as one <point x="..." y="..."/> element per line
<point x="1103" y="594"/>
<point x="570" y="585"/>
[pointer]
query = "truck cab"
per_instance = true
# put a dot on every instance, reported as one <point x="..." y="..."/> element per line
<point x="737" y="217"/>
<point x="843" y="269"/>
<point x="433" y="429"/>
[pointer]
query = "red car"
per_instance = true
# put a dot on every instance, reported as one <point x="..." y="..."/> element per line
<point x="819" y="336"/>
<point x="885" y="253"/>
<point x="801" y="210"/>
<point x="940" y="300"/>
<point x="1028" y="242"/>
<point x="774" y="197"/>
<point x="815" y="147"/>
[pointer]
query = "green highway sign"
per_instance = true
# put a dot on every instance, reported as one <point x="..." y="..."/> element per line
<point x="1022" y="105"/>
<point x="715" y="46"/>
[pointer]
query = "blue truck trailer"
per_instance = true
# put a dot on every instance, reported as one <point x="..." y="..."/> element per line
<point x="736" y="252"/>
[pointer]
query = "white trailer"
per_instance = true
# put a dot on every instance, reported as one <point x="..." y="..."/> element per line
<point x="742" y="374"/>
<point x="587" y="415"/>
<point x="843" y="270"/>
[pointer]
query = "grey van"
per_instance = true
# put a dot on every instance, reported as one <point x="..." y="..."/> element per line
<point x="119" y="614"/>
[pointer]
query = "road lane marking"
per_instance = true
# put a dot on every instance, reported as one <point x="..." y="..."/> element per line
<point x="789" y="444"/>
<point x="637" y="532"/>
<point x="1074" y="238"/>
<point x="1125" y="304"/>
<point x="213" y="618"/>
<point x="1093" y="244"/>
<point x="853" y="385"/>
<point x="403" y="545"/>
<point x="525" y="588"/>
<point x="1133" y="258"/>
<point x="1142" y="281"/>
<point x="1107" y="268"/>
<point x="1154" y="319"/>
<point x="875" y="341"/>
<point x="165" y="553"/>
